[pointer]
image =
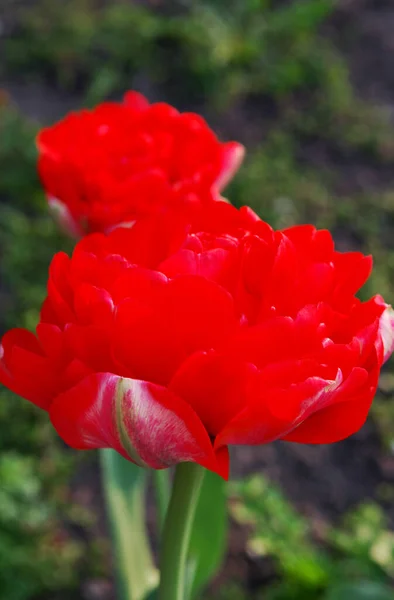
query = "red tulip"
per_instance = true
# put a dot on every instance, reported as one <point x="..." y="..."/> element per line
<point x="121" y="161"/>
<point x="168" y="342"/>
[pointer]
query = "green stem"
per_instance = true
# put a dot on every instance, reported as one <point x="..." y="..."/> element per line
<point x="177" y="530"/>
<point x="124" y="488"/>
<point x="162" y="485"/>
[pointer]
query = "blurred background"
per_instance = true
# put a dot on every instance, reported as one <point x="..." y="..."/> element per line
<point x="308" y="87"/>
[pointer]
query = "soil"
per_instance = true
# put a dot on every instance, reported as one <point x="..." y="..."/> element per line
<point x="363" y="29"/>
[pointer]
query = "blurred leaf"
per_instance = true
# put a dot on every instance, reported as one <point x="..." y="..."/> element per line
<point x="125" y="488"/>
<point x="102" y="85"/>
<point x="209" y="535"/>
<point x="28" y="529"/>
<point x="362" y="590"/>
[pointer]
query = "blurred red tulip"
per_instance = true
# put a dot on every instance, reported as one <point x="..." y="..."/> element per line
<point x="111" y="165"/>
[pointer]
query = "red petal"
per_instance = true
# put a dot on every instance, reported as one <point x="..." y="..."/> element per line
<point x="352" y="269"/>
<point x="136" y="101"/>
<point x="217" y="265"/>
<point x="386" y="331"/>
<point x="339" y="421"/>
<point x="60" y="294"/>
<point x="231" y="159"/>
<point x="150" y="241"/>
<point x="51" y="340"/>
<point x="274" y="340"/>
<point x="276" y="412"/>
<point x="216" y="387"/>
<point x="153" y="336"/>
<point x="144" y="422"/>
<point x="25" y="370"/>
<point x="140" y="284"/>
<point x="64" y="218"/>
<point x="93" y="304"/>
<point x="91" y="345"/>
<point x="315" y="244"/>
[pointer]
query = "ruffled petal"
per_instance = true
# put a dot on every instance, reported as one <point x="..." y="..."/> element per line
<point x="215" y="386"/>
<point x="274" y="413"/>
<point x="341" y="419"/>
<point x="153" y="335"/>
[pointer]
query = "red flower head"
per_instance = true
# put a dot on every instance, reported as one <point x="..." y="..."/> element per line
<point x="120" y="161"/>
<point x="169" y="342"/>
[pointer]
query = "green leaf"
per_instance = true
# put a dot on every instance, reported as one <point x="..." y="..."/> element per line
<point x="362" y="590"/>
<point x="103" y="83"/>
<point x="125" y="486"/>
<point x="209" y="535"/>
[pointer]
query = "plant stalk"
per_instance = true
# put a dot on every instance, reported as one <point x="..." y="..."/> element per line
<point x="163" y="490"/>
<point x="177" y="530"/>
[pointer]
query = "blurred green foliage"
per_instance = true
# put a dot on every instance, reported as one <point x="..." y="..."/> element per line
<point x="356" y="556"/>
<point x="35" y="552"/>
<point x="211" y="48"/>
<point x="267" y="73"/>
<point x="18" y="181"/>
<point x="278" y="531"/>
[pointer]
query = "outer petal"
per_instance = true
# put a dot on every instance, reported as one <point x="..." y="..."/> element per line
<point x="232" y="157"/>
<point x="64" y="218"/>
<point x="25" y="370"/>
<point x="313" y="243"/>
<point x="144" y="422"/>
<point x="352" y="270"/>
<point x="277" y="412"/>
<point x="386" y="331"/>
<point x="136" y="101"/>
<point x="338" y="421"/>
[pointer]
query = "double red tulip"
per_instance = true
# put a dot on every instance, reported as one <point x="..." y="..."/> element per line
<point x="121" y="161"/>
<point x="170" y="341"/>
